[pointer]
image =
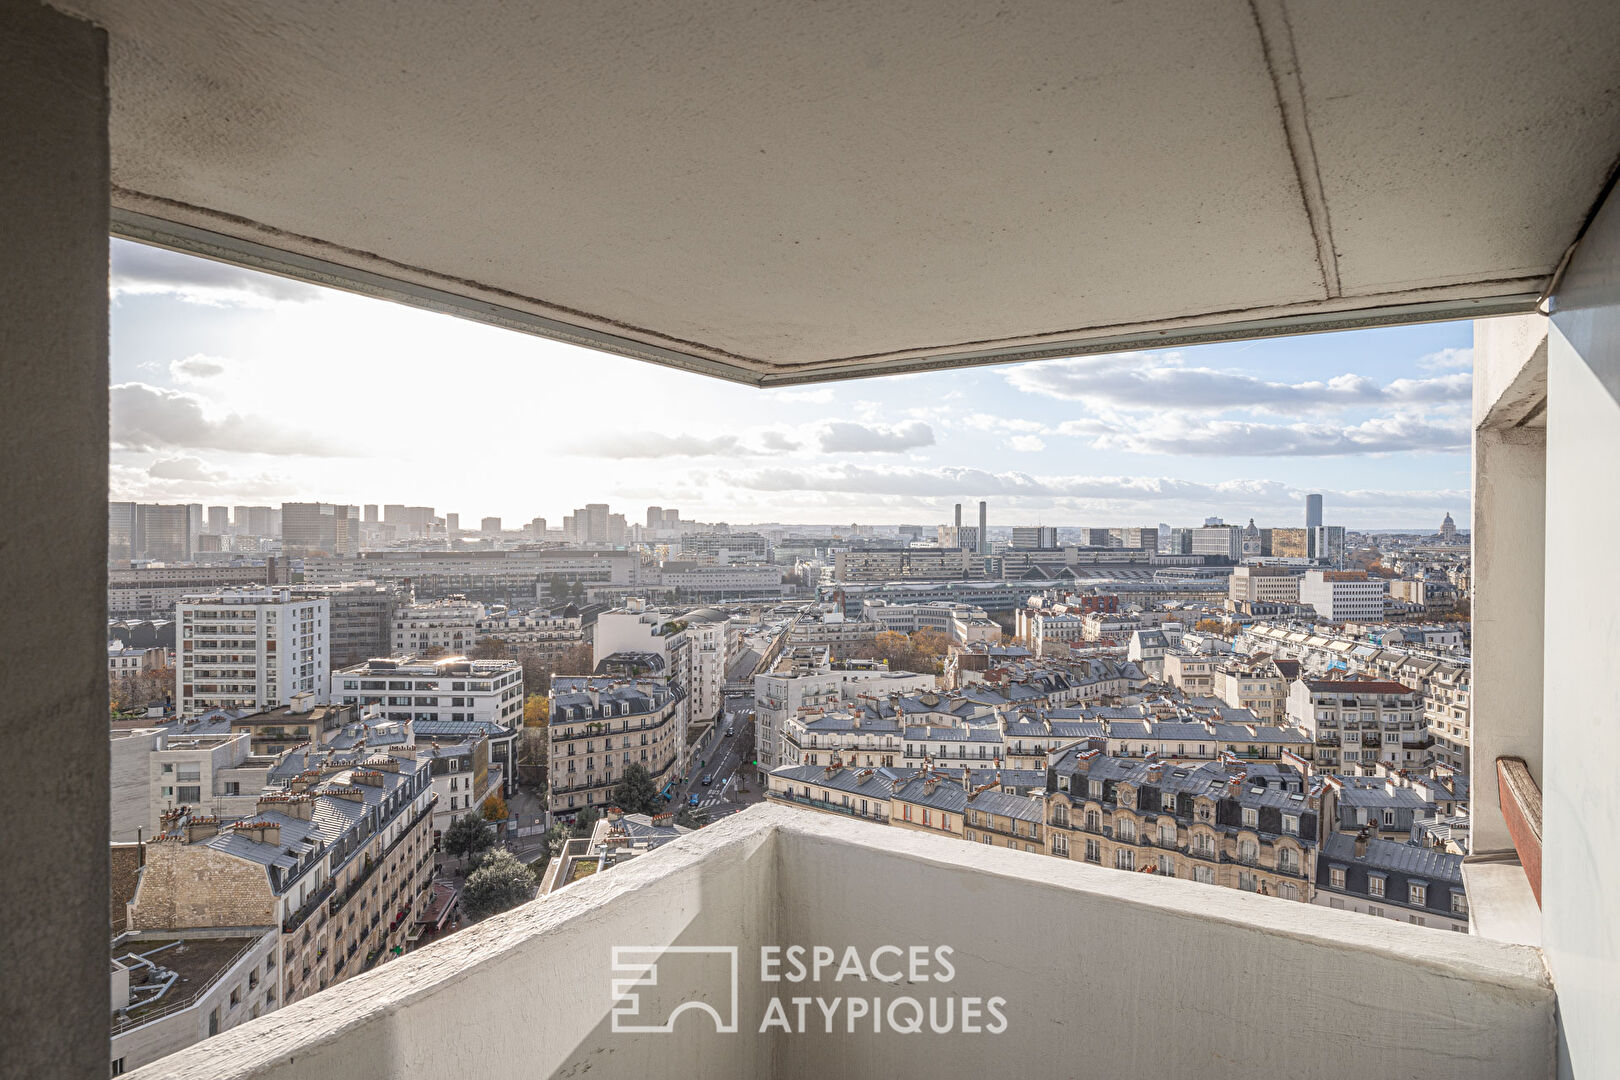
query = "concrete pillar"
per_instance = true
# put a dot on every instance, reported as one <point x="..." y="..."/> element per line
<point x="1509" y="535"/>
<point x="1580" y="877"/>
<point x="53" y="544"/>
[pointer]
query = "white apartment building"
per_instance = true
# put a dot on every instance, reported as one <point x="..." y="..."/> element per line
<point x="213" y="773"/>
<point x="807" y="679"/>
<point x="696" y="647"/>
<point x="824" y="625"/>
<point x="549" y="635"/>
<point x="718" y="582"/>
<point x="1344" y="595"/>
<point x="963" y="623"/>
<point x="126" y="661"/>
<point x="250" y="647"/>
<point x="1263" y="584"/>
<point x="451" y="688"/>
<point x="449" y="626"/>
<point x="1357" y="723"/>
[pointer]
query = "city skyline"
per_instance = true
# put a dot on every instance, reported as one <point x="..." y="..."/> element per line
<point x="234" y="387"/>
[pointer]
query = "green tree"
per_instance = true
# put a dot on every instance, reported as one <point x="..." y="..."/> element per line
<point x="585" y="821"/>
<point x="468" y="837"/>
<point x="500" y="882"/>
<point x="636" y="793"/>
<point x="558" y="587"/>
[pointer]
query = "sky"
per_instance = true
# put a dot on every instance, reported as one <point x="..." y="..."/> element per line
<point x="234" y="387"/>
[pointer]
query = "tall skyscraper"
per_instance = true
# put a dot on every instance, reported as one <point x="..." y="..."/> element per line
<point x="490" y="525"/>
<point x="219" y="520"/>
<point x="1313" y="520"/>
<point x="320" y="529"/>
<point x="958" y="515"/>
<point x="655" y="517"/>
<point x="163" y="532"/>
<point x="120" y="531"/>
<point x="371" y="514"/>
<point x="984" y="527"/>
<point x="452" y="524"/>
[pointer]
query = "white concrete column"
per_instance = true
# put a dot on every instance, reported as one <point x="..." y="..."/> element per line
<point x="1509" y="536"/>
<point x="1580" y="876"/>
<point x="53" y="544"/>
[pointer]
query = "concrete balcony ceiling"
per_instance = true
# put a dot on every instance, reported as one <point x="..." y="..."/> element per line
<point x="779" y="192"/>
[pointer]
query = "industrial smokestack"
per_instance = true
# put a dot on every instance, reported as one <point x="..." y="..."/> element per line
<point x="984" y="527"/>
<point x="958" y="515"/>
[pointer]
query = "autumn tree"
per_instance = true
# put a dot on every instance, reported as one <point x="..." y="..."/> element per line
<point x="495" y="807"/>
<point x="492" y="648"/>
<point x="134" y="691"/>
<point x="536" y="710"/>
<point x="500" y="883"/>
<point x="636" y="793"/>
<point x="576" y="661"/>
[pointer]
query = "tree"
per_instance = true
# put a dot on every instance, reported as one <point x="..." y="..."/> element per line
<point x="558" y="587"/>
<point x="576" y="661"/>
<point x="468" y="837"/>
<point x="536" y="671"/>
<point x="495" y="807"/>
<point x="635" y="793"/>
<point x="536" y="711"/>
<point x="500" y="883"/>
<point x="585" y="821"/>
<point x="1210" y="626"/>
<point x="489" y="649"/>
<point x="578" y="590"/>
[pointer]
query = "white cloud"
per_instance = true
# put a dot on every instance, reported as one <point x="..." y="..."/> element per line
<point x="847" y="437"/>
<point x="154" y="418"/>
<point x="775" y="441"/>
<point x="653" y="444"/>
<point x="1448" y="360"/>
<point x="1143" y="380"/>
<point x="196" y="368"/>
<point x="1188" y="434"/>
<point x="184" y="468"/>
<point x="1027" y="444"/>
<point x="139" y="270"/>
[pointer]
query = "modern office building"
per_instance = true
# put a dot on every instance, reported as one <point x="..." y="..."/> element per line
<point x="361" y="620"/>
<point x="1035" y="537"/>
<point x="1344" y="595"/>
<point x="314" y="529"/>
<point x="1329" y="545"/>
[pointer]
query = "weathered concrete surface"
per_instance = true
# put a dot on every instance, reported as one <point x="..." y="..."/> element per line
<point x="1580" y="877"/>
<point x="53" y="547"/>
<point x="1104" y="974"/>
<point x="1509" y="540"/>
